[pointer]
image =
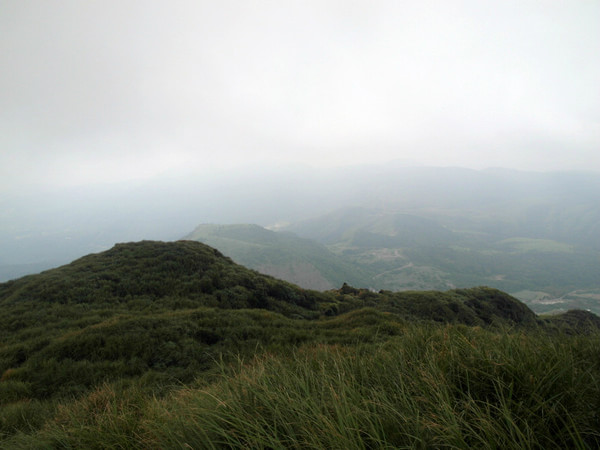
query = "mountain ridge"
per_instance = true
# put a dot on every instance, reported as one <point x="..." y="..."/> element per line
<point x="192" y="274"/>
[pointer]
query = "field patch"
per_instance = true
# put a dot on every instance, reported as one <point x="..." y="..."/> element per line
<point x="521" y="244"/>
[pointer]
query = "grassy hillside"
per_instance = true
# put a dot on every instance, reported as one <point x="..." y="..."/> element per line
<point x="428" y="387"/>
<point x="162" y="345"/>
<point x="284" y="255"/>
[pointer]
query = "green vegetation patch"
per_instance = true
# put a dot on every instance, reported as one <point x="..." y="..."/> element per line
<point x="163" y="345"/>
<point x="432" y="387"/>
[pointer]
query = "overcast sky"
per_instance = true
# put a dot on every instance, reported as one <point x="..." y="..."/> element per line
<point x="110" y="90"/>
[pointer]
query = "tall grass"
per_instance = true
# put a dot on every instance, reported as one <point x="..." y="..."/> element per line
<point x="449" y="387"/>
<point x="432" y="387"/>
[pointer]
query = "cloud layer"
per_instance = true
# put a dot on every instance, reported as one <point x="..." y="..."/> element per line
<point x="100" y="91"/>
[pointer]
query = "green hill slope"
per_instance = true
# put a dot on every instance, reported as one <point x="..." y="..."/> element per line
<point x="142" y="320"/>
<point x="283" y="255"/>
<point x="137" y="309"/>
<point x="148" y="273"/>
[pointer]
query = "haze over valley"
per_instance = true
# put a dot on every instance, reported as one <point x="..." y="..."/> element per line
<point x="535" y="235"/>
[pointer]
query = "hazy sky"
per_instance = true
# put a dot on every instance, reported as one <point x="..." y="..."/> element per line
<point x="108" y="90"/>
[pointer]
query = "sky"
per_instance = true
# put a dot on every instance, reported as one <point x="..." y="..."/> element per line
<point x="102" y="91"/>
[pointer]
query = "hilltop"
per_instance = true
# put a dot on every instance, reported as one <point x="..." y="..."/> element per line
<point x="158" y="273"/>
<point x="150" y="276"/>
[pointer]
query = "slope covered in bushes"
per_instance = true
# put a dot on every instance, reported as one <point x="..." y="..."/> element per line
<point x="151" y="271"/>
<point x="103" y="348"/>
<point x="436" y="386"/>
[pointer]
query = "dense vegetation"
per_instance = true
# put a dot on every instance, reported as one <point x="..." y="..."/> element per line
<point x="162" y="345"/>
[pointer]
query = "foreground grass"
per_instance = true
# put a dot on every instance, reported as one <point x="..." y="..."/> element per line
<point x="447" y="386"/>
